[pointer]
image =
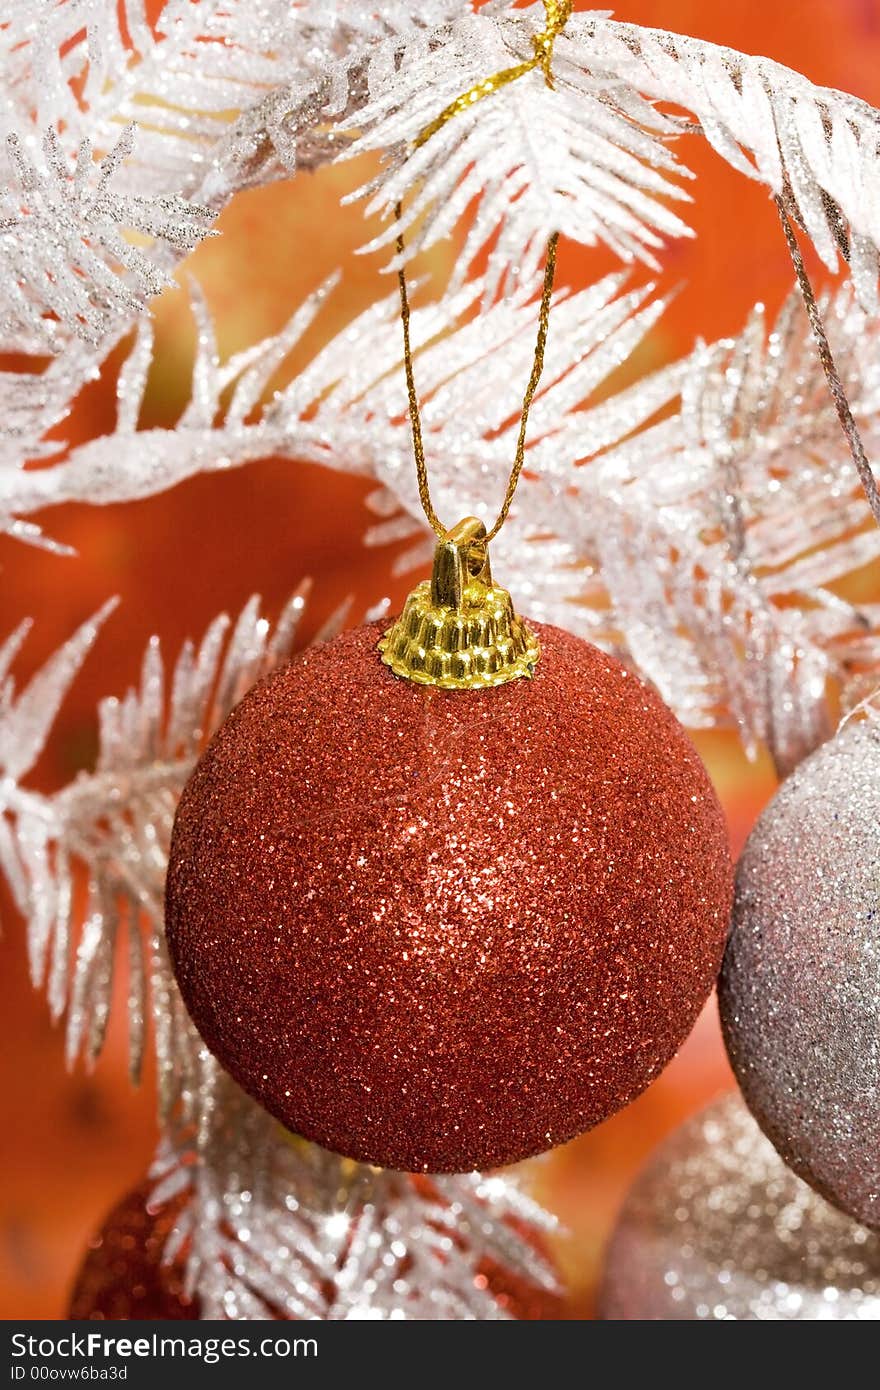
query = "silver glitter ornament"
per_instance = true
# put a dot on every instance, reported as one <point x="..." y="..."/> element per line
<point x="800" y="988"/>
<point x="717" y="1228"/>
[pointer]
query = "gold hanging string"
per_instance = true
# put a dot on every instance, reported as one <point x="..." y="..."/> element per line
<point x="415" y="419"/>
<point x="557" y="15"/>
<point x="414" y="415"/>
<point x="537" y="368"/>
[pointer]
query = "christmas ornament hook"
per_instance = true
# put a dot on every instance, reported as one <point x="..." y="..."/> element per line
<point x="461" y="558"/>
<point x="458" y="629"/>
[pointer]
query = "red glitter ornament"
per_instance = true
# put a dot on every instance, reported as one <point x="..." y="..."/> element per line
<point x="446" y="929"/>
<point x="122" y="1276"/>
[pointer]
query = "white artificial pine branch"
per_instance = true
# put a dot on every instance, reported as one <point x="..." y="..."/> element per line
<point x="574" y="158"/>
<point x="74" y="83"/>
<point x="708" y="548"/>
<point x="271" y="1226"/>
<point x="66" y="268"/>
<point x="620" y="532"/>
<point x="75" y="67"/>
<point x="115" y="823"/>
<point x="340" y="52"/>
<point x="27" y="820"/>
<point x="591" y="157"/>
<point x="224" y="94"/>
<point x="705" y="548"/>
<point x="88" y="68"/>
<point x="818" y="148"/>
<point x="345" y="409"/>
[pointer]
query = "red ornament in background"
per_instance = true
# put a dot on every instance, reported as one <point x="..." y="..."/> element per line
<point x="442" y="929"/>
<point x="518" y="1296"/>
<point x="122" y="1276"/>
<point x="521" y="1300"/>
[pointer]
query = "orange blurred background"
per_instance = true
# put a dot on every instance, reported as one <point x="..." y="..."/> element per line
<point x="72" y="1144"/>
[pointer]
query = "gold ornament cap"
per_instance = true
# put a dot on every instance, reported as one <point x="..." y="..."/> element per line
<point x="458" y="630"/>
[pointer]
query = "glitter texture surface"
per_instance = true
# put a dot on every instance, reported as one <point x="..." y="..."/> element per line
<point x="441" y="930"/>
<point x="800" y="989"/>
<point x="718" y="1228"/>
<point x="122" y="1276"/>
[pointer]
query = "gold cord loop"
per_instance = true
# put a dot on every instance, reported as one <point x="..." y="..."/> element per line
<point x="557" y="14"/>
